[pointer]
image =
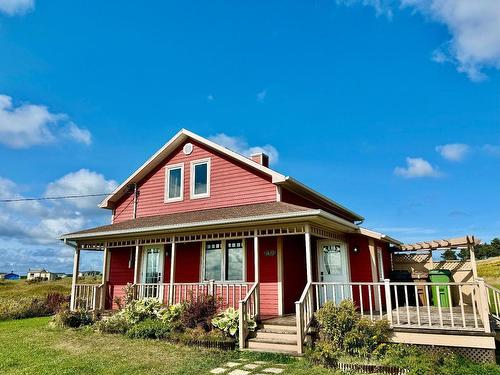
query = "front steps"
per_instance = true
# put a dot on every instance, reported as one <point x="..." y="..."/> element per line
<point x="276" y="335"/>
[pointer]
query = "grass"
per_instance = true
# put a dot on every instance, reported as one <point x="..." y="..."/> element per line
<point x="490" y="270"/>
<point x="21" y="288"/>
<point x="31" y="346"/>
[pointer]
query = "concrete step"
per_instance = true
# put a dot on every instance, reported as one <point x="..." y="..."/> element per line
<point x="279" y="328"/>
<point x="272" y="347"/>
<point x="280" y="338"/>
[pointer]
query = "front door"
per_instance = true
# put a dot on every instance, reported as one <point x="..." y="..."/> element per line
<point x="333" y="271"/>
<point x="153" y="271"/>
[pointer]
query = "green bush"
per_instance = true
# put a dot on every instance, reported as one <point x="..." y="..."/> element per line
<point x="116" y="324"/>
<point x="228" y="322"/>
<point x="139" y="310"/>
<point x="150" y="329"/>
<point x="72" y="319"/>
<point x="26" y="307"/>
<point x="344" y="332"/>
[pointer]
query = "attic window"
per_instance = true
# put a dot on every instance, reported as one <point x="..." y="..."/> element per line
<point x="174" y="183"/>
<point x="200" y="178"/>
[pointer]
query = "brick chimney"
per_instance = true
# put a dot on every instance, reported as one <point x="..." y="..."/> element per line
<point x="260" y="158"/>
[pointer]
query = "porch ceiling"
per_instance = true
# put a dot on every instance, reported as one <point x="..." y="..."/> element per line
<point x="253" y="214"/>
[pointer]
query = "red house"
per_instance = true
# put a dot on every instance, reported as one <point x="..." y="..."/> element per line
<point x="198" y="218"/>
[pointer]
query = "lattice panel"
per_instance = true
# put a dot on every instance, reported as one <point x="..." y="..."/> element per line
<point x="474" y="354"/>
<point x="411" y="258"/>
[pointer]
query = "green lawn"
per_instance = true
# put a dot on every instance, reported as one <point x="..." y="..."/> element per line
<point x="21" y="288"/>
<point x="490" y="270"/>
<point x="30" y="346"/>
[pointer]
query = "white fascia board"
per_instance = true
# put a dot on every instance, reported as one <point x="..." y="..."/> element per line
<point x="378" y="236"/>
<point x="177" y="139"/>
<point x="320" y="196"/>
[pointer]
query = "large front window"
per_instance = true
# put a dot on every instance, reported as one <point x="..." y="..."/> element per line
<point x="224" y="260"/>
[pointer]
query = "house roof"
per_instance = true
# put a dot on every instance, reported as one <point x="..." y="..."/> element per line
<point x="183" y="135"/>
<point x="379" y="236"/>
<point x="253" y="213"/>
<point x="37" y="270"/>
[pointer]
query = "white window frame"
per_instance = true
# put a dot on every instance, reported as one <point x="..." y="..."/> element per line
<point x="161" y="263"/>
<point x="194" y="163"/>
<point x="223" y="261"/>
<point x="380" y="264"/>
<point x="168" y="168"/>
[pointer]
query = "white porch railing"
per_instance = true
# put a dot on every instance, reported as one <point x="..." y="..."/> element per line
<point x="493" y="301"/>
<point x="423" y="305"/>
<point x="88" y="297"/>
<point x="248" y="309"/>
<point x="158" y="291"/>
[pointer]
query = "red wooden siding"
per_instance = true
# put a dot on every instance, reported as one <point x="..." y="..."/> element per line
<point x="119" y="274"/>
<point x="187" y="263"/>
<point x="232" y="184"/>
<point x="294" y="271"/>
<point x="166" y="265"/>
<point x="360" y="266"/>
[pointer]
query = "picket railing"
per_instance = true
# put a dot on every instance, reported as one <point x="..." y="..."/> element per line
<point x="248" y="309"/>
<point x="88" y="297"/>
<point x="152" y="290"/>
<point x="493" y="301"/>
<point x="304" y="310"/>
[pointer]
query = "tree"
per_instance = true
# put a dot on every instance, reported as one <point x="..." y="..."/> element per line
<point x="486" y="250"/>
<point x="449" y="254"/>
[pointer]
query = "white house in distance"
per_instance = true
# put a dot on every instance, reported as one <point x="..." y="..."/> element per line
<point x="40" y="273"/>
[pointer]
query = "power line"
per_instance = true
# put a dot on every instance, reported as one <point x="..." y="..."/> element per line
<point x="9" y="200"/>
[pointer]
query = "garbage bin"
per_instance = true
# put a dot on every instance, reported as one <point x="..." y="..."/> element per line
<point x="399" y="290"/>
<point x="440" y="292"/>
<point x="420" y="278"/>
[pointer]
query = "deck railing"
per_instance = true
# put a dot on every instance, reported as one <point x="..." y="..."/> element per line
<point x="493" y="301"/>
<point x="454" y="306"/>
<point x="228" y="294"/>
<point x="248" y="309"/>
<point x="88" y="297"/>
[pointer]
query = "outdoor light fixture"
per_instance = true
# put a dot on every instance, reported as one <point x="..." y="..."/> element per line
<point x="355" y="249"/>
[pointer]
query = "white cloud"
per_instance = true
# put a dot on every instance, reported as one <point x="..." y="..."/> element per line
<point x="261" y="96"/>
<point x="28" y="124"/>
<point x="14" y="7"/>
<point x="241" y="146"/>
<point x="473" y="25"/>
<point x="453" y="151"/>
<point x="415" y="168"/>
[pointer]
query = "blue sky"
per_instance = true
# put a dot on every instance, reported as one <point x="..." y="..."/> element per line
<point x="389" y="107"/>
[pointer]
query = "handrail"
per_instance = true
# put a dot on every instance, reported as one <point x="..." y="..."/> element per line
<point x="304" y="310"/>
<point x="88" y="297"/>
<point x="493" y="300"/>
<point x="248" y="309"/>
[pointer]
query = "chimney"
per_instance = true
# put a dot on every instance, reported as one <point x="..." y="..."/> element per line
<point x="260" y="158"/>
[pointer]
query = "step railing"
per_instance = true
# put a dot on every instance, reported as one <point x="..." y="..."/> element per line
<point x="304" y="312"/>
<point x="248" y="309"/>
<point x="88" y="297"/>
<point x="493" y="301"/>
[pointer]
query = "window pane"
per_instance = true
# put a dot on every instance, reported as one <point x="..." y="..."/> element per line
<point x="174" y="183"/>
<point x="200" y="178"/>
<point x="234" y="260"/>
<point x="152" y="266"/>
<point x="213" y="257"/>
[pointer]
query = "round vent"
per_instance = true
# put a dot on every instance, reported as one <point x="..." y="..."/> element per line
<point x="187" y="149"/>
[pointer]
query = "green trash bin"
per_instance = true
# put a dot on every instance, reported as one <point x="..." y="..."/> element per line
<point x="440" y="292"/>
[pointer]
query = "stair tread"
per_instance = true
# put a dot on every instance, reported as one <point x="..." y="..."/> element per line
<point x="270" y="340"/>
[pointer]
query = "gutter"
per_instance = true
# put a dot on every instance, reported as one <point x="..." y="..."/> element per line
<point x="184" y="226"/>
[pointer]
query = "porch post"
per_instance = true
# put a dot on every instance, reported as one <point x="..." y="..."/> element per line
<point x="373" y="262"/>
<point x="307" y="237"/>
<point x="136" y="264"/>
<point x="256" y="270"/>
<point x="473" y="261"/>
<point x="76" y="269"/>
<point x="483" y="305"/>
<point x="105" y="268"/>
<point x="171" y="289"/>
<point x="104" y="281"/>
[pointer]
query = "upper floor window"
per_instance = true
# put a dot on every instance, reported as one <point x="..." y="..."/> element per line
<point x="174" y="183"/>
<point x="200" y="178"/>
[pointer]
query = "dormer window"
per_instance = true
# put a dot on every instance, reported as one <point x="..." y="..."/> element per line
<point x="174" y="183"/>
<point x="200" y="178"/>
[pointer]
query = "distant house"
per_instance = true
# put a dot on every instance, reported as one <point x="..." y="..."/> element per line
<point x="11" y="276"/>
<point x="2" y="275"/>
<point x="89" y="273"/>
<point x="61" y="275"/>
<point x="41" y="273"/>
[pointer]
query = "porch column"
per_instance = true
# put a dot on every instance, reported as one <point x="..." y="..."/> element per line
<point x="105" y="266"/>
<point x="373" y="262"/>
<point x="171" y="289"/>
<point x="473" y="261"/>
<point x="256" y="270"/>
<point x="76" y="269"/>
<point x="307" y="237"/>
<point x="136" y="265"/>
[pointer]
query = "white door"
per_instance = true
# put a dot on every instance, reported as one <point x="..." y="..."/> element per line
<point x="152" y="272"/>
<point x="333" y="271"/>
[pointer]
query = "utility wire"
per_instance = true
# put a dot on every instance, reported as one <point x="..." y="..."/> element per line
<point x="9" y="200"/>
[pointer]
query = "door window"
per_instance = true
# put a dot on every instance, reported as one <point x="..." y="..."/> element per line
<point x="332" y="260"/>
<point x="153" y="272"/>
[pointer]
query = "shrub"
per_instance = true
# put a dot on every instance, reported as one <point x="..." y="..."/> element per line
<point x="199" y="312"/>
<point x="325" y="353"/>
<point x="139" y="310"/>
<point x="150" y="329"/>
<point x="72" y="319"/>
<point x="196" y="335"/>
<point x="21" y="308"/>
<point x="117" y="324"/>
<point x="228" y="322"/>
<point x="343" y="332"/>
